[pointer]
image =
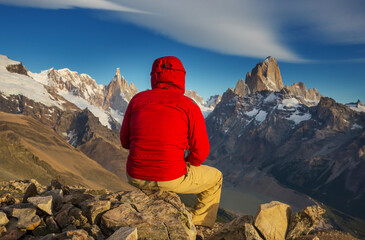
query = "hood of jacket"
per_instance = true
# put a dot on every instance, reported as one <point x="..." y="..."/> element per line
<point x="168" y="73"/>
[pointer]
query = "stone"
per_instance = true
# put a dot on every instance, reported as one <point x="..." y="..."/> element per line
<point x="7" y="199"/>
<point x="42" y="203"/>
<point x="13" y="234"/>
<point x="77" y="198"/>
<point x="234" y="229"/>
<point x="57" y="196"/>
<point x="70" y="215"/>
<point x="94" y="210"/>
<point x="30" y="192"/>
<point x="272" y="220"/>
<point x="27" y="218"/>
<point x="52" y="225"/>
<point x="154" y="216"/>
<point x="124" y="233"/>
<point x="251" y="233"/>
<point x="95" y="232"/>
<point x="3" y="219"/>
<point x="41" y="230"/>
<point x="302" y="222"/>
<point x="2" y="230"/>
<point x="77" y="235"/>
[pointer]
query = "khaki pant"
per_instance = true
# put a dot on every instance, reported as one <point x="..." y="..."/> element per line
<point x="204" y="181"/>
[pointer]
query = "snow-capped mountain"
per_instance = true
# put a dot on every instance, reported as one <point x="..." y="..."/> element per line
<point x="264" y="135"/>
<point x="205" y="106"/>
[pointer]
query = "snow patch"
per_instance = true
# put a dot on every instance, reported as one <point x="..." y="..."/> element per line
<point x="288" y="104"/>
<point x="356" y="126"/>
<point x="298" y="117"/>
<point x="18" y="84"/>
<point x="252" y="113"/>
<point x="261" y="116"/>
<point x="357" y="108"/>
<point x="271" y="98"/>
<point x="72" y="137"/>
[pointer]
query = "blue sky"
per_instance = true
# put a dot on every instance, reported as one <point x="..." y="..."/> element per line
<point x="320" y="43"/>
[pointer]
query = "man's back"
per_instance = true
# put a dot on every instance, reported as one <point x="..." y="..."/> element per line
<point x="160" y="124"/>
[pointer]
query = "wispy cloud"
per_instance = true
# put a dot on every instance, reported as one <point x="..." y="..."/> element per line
<point x="68" y="4"/>
<point x="238" y="27"/>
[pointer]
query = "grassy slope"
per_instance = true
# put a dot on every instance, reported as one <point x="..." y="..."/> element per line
<point x="28" y="149"/>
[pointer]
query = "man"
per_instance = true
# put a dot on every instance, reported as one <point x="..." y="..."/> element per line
<point x="158" y="126"/>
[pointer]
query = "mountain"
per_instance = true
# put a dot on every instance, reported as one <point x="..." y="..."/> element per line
<point x="269" y="138"/>
<point x="30" y="149"/>
<point x="205" y="106"/>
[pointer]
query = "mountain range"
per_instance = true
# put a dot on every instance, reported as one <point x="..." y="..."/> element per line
<point x="264" y="136"/>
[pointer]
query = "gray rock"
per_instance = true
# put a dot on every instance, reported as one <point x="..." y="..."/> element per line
<point x="27" y="218"/>
<point x="57" y="196"/>
<point x="52" y="225"/>
<point x="43" y="203"/>
<point x="95" y="232"/>
<point x="154" y="216"/>
<point x="30" y="192"/>
<point x="234" y="229"/>
<point x="94" y="210"/>
<point x="124" y="233"/>
<point x="3" y="219"/>
<point x="251" y="233"/>
<point x="70" y="215"/>
<point x="302" y="222"/>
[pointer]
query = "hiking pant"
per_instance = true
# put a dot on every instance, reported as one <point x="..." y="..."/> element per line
<point x="204" y="181"/>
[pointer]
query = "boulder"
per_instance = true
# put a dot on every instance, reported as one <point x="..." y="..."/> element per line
<point x="27" y="218"/>
<point x="124" y="233"/>
<point x="42" y="203"/>
<point x="7" y="199"/>
<point x="94" y="210"/>
<point x="302" y="222"/>
<point x="236" y="229"/>
<point x="57" y="196"/>
<point x="3" y="219"/>
<point x="95" y="232"/>
<point x="30" y="192"/>
<point x="272" y="220"/>
<point x="156" y="215"/>
<point x="52" y="225"/>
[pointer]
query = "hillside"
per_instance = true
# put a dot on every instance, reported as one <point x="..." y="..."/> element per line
<point x="29" y="149"/>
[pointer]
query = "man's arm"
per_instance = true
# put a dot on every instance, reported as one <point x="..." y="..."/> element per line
<point x="125" y="130"/>
<point x="198" y="138"/>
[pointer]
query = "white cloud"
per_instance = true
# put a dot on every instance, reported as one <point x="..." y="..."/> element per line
<point x="239" y="27"/>
<point x="67" y="4"/>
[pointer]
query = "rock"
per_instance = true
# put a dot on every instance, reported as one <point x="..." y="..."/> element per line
<point x="77" y="234"/>
<point x="242" y="88"/>
<point x="154" y="218"/>
<point x="3" y="219"/>
<point x="124" y="233"/>
<point x="94" y="210"/>
<point x="13" y="234"/>
<point x="20" y="186"/>
<point x="70" y="215"/>
<point x="302" y="222"/>
<point x="43" y="203"/>
<point x="27" y="218"/>
<point x="52" y="225"/>
<point x="272" y="220"/>
<point x="233" y="230"/>
<point x="251" y="233"/>
<point x="57" y="196"/>
<point x="41" y="230"/>
<point x="95" y="232"/>
<point x="2" y="230"/>
<point x="265" y="76"/>
<point x="7" y="199"/>
<point x="77" y="198"/>
<point x="30" y="192"/>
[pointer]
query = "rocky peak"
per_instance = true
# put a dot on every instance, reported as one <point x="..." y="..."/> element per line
<point x="265" y="76"/>
<point x="118" y="93"/>
<point x="242" y="88"/>
<point x="299" y="89"/>
<point x="194" y="95"/>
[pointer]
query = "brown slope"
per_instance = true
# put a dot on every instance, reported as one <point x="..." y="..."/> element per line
<point x="29" y="149"/>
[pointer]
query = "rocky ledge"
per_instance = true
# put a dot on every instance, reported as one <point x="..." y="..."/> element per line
<point x="31" y="211"/>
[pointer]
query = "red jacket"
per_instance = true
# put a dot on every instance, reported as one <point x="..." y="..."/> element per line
<point x="160" y="124"/>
